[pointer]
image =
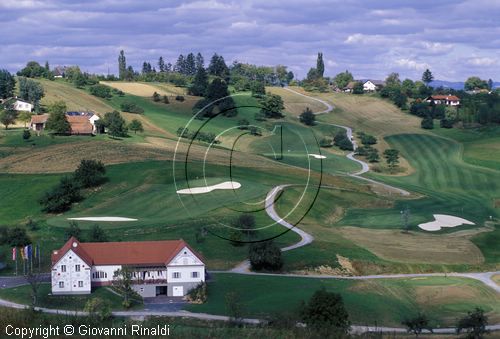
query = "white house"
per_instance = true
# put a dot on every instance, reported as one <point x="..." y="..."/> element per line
<point x="21" y="105"/>
<point x="448" y="100"/>
<point x="372" y="85"/>
<point x="167" y="267"/>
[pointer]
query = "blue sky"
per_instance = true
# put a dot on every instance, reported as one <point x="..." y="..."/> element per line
<point x="455" y="39"/>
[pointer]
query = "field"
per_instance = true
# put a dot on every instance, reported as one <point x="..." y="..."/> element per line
<point x="371" y="302"/>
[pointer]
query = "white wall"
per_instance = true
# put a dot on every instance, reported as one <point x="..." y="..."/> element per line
<point x="108" y="269"/>
<point x="71" y="277"/>
<point x="185" y="273"/>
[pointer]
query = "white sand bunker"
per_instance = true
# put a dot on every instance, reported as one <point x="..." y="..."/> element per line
<point x="443" y="220"/>
<point x="228" y="185"/>
<point x="317" y="156"/>
<point x="103" y="219"/>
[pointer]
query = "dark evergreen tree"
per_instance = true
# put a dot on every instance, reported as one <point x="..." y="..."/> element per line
<point x="161" y="65"/>
<point x="115" y="124"/>
<point x="307" y="117"/>
<point x="90" y="173"/>
<point x="200" y="61"/>
<point x="325" y="311"/>
<point x="265" y="255"/>
<point x="180" y="65"/>
<point x="200" y="83"/>
<point x="218" y="66"/>
<point x="190" y="64"/>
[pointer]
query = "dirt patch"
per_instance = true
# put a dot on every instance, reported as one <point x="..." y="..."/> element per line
<point x="346" y="265"/>
<point x="496" y="279"/>
<point x="393" y="245"/>
<point x="337" y="214"/>
<point x="439" y="295"/>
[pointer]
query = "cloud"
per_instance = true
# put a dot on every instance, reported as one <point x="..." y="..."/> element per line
<point x="370" y="38"/>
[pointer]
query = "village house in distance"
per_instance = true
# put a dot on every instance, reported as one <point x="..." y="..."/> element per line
<point x="167" y="267"/>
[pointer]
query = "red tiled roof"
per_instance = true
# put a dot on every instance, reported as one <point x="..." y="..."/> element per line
<point x="80" y="124"/>
<point x="125" y="253"/>
<point x="39" y="119"/>
<point x="445" y="97"/>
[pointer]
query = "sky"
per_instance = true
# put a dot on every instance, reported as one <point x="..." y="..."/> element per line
<point x="454" y="38"/>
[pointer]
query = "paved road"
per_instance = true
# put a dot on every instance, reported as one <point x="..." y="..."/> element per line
<point x="364" y="166"/>
<point x="14" y="281"/>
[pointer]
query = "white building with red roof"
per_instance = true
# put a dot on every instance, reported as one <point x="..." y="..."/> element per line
<point x="167" y="267"/>
<point x="448" y="100"/>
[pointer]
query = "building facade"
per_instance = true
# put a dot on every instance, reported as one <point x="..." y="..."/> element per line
<point x="168" y="267"/>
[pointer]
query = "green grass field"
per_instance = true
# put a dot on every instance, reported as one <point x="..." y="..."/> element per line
<point x="22" y="295"/>
<point x="371" y="302"/>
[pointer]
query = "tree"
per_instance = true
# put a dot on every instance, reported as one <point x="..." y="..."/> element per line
<point x="101" y="91"/>
<point x="341" y="80"/>
<point x="57" y="122"/>
<point x="307" y="117"/>
<point x="200" y="61"/>
<point x="8" y="117"/>
<point x="32" y="70"/>
<point x="90" y="173"/>
<point x="372" y="155"/>
<point x="31" y="91"/>
<point x="326" y="311"/>
<point x="234" y="305"/>
<point x="243" y="124"/>
<point x="17" y="237"/>
<point x="417" y="324"/>
<point x="180" y="65"/>
<point x="392" y="158"/>
<point x="408" y="87"/>
<point x="200" y="83"/>
<point x="60" y="198"/>
<point x="165" y="100"/>
<point x="190" y="64"/>
<point x="289" y="76"/>
<point x="320" y="66"/>
<point x="392" y="80"/>
<point x="98" y="309"/>
<point x="122" y="65"/>
<point x="115" y="124"/>
<point x="161" y="64"/>
<point x="218" y="66"/>
<point x="26" y="134"/>
<point x="136" y="126"/>
<point x="427" y="77"/>
<point x="272" y="106"/>
<point x="34" y="278"/>
<point x="490" y="84"/>
<point x="7" y="84"/>
<point x="474" y="323"/>
<point x="25" y="117"/>
<point x="475" y="83"/>
<point x="97" y="234"/>
<point x="131" y="107"/>
<point x="246" y="223"/>
<point x="358" y="88"/>
<point x="258" y="88"/>
<point x="73" y="230"/>
<point x="122" y="280"/>
<point x="265" y="255"/>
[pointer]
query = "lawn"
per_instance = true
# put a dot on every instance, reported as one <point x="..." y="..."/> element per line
<point x="22" y="295"/>
<point x="375" y="302"/>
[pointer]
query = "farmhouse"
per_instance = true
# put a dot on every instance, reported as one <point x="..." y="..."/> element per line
<point x="448" y="100"/>
<point x="372" y="85"/>
<point x="167" y="267"/>
<point x="18" y="104"/>
<point x="350" y="86"/>
<point x="59" y="71"/>
<point x="38" y="122"/>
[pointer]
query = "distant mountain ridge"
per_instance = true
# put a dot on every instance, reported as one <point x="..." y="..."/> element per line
<point x="456" y="85"/>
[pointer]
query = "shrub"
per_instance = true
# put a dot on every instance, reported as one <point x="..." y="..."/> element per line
<point x="427" y="123"/>
<point x="307" y="117"/>
<point x="326" y="142"/>
<point x="101" y="91"/>
<point x="199" y="294"/>
<point x="131" y="107"/>
<point x="26" y="134"/>
<point x="446" y="123"/>
<point x="165" y="100"/>
<point x="342" y="141"/>
<point x="179" y="98"/>
<point x="265" y="255"/>
<point x="156" y="97"/>
<point x="98" y="309"/>
<point x="243" y="124"/>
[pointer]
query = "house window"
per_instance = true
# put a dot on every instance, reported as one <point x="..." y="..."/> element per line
<point x="159" y="273"/>
<point x="176" y="275"/>
<point x="63" y="268"/>
<point x="77" y="268"/>
<point x="194" y="274"/>
<point x="61" y="284"/>
<point x="80" y="284"/>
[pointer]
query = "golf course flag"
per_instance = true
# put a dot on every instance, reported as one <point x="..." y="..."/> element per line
<point x="14" y="254"/>
<point x="21" y="250"/>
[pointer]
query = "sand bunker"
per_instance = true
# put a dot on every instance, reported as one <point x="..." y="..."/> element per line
<point x="443" y="220"/>
<point x="103" y="219"/>
<point x="317" y="156"/>
<point x="228" y="185"/>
